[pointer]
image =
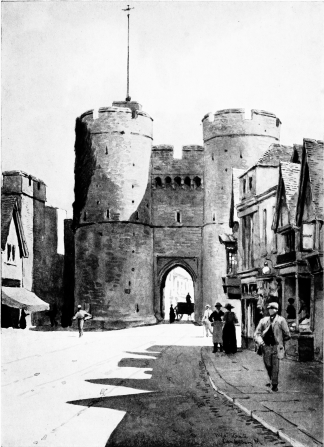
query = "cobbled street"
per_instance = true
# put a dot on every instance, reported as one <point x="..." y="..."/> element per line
<point x="135" y="387"/>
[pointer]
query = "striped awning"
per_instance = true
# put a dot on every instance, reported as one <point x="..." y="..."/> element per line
<point x="21" y="298"/>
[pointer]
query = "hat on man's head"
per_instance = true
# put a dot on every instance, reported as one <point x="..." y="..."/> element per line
<point x="207" y="305"/>
<point x="291" y="300"/>
<point x="79" y="306"/>
<point x="229" y="306"/>
<point x="218" y="305"/>
<point x="273" y="306"/>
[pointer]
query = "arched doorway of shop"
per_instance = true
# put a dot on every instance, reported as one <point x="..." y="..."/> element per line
<point x="176" y="284"/>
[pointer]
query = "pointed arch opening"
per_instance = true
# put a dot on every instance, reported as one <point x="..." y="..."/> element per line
<point x="177" y="290"/>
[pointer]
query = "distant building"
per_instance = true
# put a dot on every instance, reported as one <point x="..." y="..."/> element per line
<point x="42" y="230"/>
<point x="14" y="256"/>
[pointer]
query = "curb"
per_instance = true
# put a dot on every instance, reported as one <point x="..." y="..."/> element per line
<point x="270" y="427"/>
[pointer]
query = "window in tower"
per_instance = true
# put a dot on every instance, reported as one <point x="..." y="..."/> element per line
<point x="108" y="214"/>
<point x="106" y="150"/>
<point x="187" y="181"/>
<point x="178" y="216"/>
<point x="136" y="215"/>
<point x="177" y="181"/>
<point x="85" y="216"/>
<point x="158" y="182"/>
<point x="168" y="182"/>
<point x="197" y="182"/>
<point x="214" y="216"/>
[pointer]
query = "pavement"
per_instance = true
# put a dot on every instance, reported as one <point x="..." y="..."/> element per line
<point x="294" y="413"/>
<point x="44" y="372"/>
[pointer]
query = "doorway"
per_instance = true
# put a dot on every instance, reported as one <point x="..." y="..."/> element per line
<point x="175" y="288"/>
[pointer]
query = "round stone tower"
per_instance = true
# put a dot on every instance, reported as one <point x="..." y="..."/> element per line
<point x="112" y="214"/>
<point x="230" y="141"/>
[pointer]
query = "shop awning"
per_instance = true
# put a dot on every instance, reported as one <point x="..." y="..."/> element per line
<point x="21" y="298"/>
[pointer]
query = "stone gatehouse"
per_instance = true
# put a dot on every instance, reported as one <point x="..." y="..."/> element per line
<point x="139" y="212"/>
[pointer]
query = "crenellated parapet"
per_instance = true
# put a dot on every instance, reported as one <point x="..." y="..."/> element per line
<point x="232" y="122"/>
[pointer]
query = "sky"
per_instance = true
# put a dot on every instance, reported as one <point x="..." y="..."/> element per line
<point x="187" y="59"/>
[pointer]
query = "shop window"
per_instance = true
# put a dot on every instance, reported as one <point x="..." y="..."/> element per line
<point x="158" y="182"/>
<point x="307" y="236"/>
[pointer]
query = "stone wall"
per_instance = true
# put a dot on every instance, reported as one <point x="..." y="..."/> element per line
<point x="231" y="141"/>
<point x="112" y="214"/>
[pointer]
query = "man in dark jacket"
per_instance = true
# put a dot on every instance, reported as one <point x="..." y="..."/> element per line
<point x="271" y="334"/>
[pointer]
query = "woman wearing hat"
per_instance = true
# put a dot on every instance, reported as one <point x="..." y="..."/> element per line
<point x="205" y="320"/>
<point x="229" y="334"/>
<point x="216" y="319"/>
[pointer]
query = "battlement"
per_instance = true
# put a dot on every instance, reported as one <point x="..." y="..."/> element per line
<point x="163" y="147"/>
<point x="192" y="148"/>
<point x="22" y="174"/>
<point x="133" y="108"/>
<point x="19" y="182"/>
<point x="238" y="113"/>
<point x="232" y="122"/>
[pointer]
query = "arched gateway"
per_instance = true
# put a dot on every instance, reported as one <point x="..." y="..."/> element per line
<point x="139" y="211"/>
<point x="164" y="266"/>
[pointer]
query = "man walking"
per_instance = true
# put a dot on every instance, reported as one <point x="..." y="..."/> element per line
<point x="271" y="334"/>
<point x="81" y="316"/>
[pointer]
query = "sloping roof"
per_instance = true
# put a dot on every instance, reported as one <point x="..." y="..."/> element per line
<point x="275" y="154"/>
<point x="314" y="153"/>
<point x="290" y="173"/>
<point x="9" y="211"/>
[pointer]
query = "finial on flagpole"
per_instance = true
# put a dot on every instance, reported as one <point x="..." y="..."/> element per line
<point x="128" y="98"/>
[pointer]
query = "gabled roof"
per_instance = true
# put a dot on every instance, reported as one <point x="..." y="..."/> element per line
<point x="234" y="195"/>
<point x="273" y="156"/>
<point x="9" y="211"/>
<point x="313" y="160"/>
<point x="289" y="174"/>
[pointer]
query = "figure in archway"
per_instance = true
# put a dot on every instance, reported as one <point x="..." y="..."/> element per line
<point x="171" y="314"/>
<point x="189" y="305"/>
